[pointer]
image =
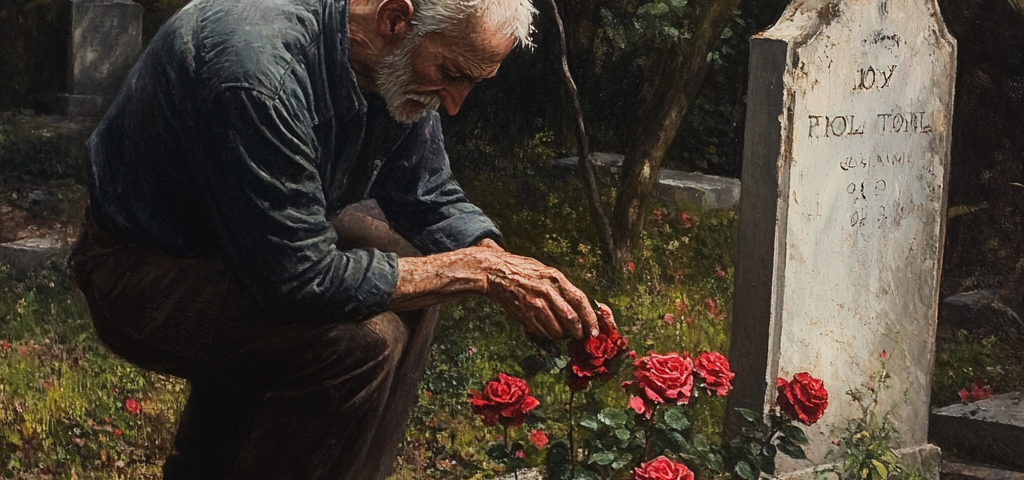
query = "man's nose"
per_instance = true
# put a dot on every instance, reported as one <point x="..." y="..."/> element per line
<point x="453" y="96"/>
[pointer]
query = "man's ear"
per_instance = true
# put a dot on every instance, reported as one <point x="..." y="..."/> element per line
<point x="394" y="17"/>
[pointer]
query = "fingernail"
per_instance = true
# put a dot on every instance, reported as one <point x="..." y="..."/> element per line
<point x="595" y="332"/>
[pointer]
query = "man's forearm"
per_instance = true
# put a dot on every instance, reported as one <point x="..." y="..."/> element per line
<point x="438" y="278"/>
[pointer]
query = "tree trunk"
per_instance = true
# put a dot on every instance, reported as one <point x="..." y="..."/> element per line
<point x="672" y="77"/>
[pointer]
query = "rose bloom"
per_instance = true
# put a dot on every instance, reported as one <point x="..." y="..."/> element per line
<point x="686" y="219"/>
<point x="662" y="468"/>
<point x="712" y="307"/>
<point x="804" y="399"/>
<point x="589" y="357"/>
<point x="539" y="438"/>
<point x="663" y="378"/>
<point x="132" y="406"/>
<point x="504" y="400"/>
<point x="714" y="369"/>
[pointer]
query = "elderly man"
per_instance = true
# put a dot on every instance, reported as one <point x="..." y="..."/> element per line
<point x="209" y="251"/>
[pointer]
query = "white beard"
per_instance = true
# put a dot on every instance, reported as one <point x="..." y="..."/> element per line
<point x="394" y="80"/>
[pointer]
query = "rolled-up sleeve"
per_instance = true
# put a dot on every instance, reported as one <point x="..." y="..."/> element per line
<point x="422" y="201"/>
<point x="266" y="198"/>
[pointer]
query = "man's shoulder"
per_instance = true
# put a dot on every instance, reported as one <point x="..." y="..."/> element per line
<point x="254" y="44"/>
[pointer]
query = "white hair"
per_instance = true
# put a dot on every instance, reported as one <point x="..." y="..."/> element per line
<point x="513" y="18"/>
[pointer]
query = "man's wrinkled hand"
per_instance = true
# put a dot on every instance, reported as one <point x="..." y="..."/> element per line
<point x="546" y="303"/>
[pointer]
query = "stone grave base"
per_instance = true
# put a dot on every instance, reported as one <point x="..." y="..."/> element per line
<point x="927" y="458"/>
<point x="990" y="430"/>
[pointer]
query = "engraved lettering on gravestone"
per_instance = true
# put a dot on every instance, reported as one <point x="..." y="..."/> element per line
<point x="871" y="78"/>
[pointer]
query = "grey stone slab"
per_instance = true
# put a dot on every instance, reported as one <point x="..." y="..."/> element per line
<point x="106" y="38"/>
<point x="611" y="160"/>
<point x="990" y="430"/>
<point x="708" y="190"/>
<point x="959" y="470"/>
<point x="846" y="161"/>
<point x="32" y="253"/>
<point x="673" y="186"/>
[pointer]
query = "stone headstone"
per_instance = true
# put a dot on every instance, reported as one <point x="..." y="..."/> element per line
<point x="842" y="213"/>
<point x="106" y="38"/>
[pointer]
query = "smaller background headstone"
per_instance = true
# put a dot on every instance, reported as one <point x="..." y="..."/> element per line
<point x="106" y="38"/>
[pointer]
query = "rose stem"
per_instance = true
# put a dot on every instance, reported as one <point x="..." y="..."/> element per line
<point x="508" y="448"/>
<point x="572" y="444"/>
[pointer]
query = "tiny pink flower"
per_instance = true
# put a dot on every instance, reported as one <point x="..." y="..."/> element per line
<point x="669" y="319"/>
<point x="884" y="355"/>
<point x="133" y="406"/>
<point x="686" y="219"/>
<point x="472" y="350"/>
<point x="631" y="267"/>
<point x="519" y="454"/>
<point x="719" y="273"/>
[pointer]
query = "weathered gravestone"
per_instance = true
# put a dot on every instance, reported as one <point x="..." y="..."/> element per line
<point x="106" y="38"/>
<point x="842" y="212"/>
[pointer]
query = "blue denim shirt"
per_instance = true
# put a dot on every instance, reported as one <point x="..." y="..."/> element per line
<point x="241" y="129"/>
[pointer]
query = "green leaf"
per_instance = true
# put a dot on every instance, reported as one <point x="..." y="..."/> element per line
<point x="715" y="462"/>
<point x="589" y="422"/>
<point x="700" y="443"/>
<point x="676" y="418"/>
<point x="623" y="434"/>
<point x="497" y="452"/>
<point x="768" y="465"/>
<point x="880" y="469"/>
<point x="791" y="449"/>
<point x="751" y="416"/>
<point x="603" y="457"/>
<point x="744" y="470"/>
<point x="669" y="440"/>
<point x="795" y="433"/>
<point x="621" y="460"/>
<point x="769" y="451"/>
<point x="612" y="417"/>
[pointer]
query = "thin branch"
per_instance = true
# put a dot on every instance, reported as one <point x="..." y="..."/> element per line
<point x="604" y="229"/>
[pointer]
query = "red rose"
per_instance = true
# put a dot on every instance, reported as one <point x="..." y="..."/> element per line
<point x="804" y="399"/>
<point x="662" y="468"/>
<point x="505" y="400"/>
<point x="132" y="406"/>
<point x="686" y="219"/>
<point x="663" y="378"/>
<point x="714" y="369"/>
<point x="538" y="438"/>
<point x="588" y="357"/>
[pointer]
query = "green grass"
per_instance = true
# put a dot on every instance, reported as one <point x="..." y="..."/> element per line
<point x="968" y="358"/>
<point x="62" y="403"/>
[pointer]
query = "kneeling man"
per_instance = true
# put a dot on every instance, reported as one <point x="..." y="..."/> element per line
<point x="210" y="253"/>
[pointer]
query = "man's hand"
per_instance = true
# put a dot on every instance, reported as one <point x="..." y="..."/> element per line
<point x="538" y="296"/>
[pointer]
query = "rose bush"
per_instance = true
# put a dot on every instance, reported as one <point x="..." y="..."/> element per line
<point x="504" y="400"/>
<point x="803" y="399"/>
<point x="662" y="468"/>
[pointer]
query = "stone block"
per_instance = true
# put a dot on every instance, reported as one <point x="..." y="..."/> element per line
<point x="990" y="430"/>
<point x="32" y="253"/>
<point x="106" y="38"/>
<point x="708" y="190"/>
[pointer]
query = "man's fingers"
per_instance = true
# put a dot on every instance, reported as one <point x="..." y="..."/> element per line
<point x="565" y="313"/>
<point x="580" y="304"/>
<point x="605" y="316"/>
<point x="547" y="319"/>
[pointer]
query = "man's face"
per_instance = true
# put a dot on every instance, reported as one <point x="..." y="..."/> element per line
<point x="436" y="69"/>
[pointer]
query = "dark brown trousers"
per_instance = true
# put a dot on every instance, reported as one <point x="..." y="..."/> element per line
<point x="268" y="400"/>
